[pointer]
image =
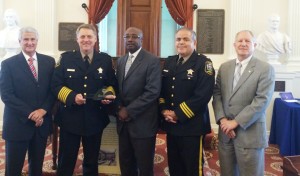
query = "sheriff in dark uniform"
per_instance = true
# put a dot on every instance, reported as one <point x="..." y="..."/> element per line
<point x="78" y="78"/>
<point x="187" y="86"/>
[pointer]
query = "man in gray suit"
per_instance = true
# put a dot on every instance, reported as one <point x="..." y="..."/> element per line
<point x="243" y="90"/>
<point x="139" y="79"/>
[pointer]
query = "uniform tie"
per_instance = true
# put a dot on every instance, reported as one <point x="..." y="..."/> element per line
<point x="237" y="74"/>
<point x="86" y="61"/>
<point x="128" y="63"/>
<point x="32" y="68"/>
<point x="180" y="60"/>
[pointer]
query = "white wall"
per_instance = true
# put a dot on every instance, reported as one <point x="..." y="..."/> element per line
<point x="47" y="17"/>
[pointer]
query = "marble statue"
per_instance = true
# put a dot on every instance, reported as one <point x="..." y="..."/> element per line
<point x="9" y="42"/>
<point x="273" y="42"/>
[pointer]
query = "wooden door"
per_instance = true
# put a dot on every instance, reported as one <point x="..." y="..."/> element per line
<point x="143" y="14"/>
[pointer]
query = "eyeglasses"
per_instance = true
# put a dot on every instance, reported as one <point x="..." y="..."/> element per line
<point x="131" y="36"/>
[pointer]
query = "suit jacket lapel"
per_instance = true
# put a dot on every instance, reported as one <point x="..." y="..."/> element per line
<point x="137" y="61"/>
<point x="25" y="67"/>
<point x="121" y="66"/>
<point x="230" y="75"/>
<point x="41" y="66"/>
<point x="247" y="72"/>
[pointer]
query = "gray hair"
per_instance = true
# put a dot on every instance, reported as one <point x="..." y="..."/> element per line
<point x="250" y="32"/>
<point x="194" y="36"/>
<point x="28" y="30"/>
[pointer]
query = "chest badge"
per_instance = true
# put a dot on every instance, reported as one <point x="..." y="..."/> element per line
<point x="190" y="73"/>
<point x="100" y="70"/>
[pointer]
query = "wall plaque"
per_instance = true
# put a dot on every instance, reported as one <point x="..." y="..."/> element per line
<point x="67" y="36"/>
<point x="279" y="86"/>
<point x="210" y="31"/>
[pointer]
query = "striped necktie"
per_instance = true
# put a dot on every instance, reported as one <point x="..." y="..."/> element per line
<point x="237" y="74"/>
<point x="32" y="68"/>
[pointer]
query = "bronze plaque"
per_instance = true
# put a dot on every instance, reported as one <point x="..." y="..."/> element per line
<point x="210" y="31"/>
<point x="67" y="36"/>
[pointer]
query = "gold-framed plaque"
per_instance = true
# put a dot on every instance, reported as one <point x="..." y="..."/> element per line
<point x="67" y="36"/>
<point x="210" y="31"/>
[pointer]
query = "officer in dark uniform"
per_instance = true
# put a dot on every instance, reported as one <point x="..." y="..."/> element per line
<point x="187" y="86"/>
<point x="84" y="82"/>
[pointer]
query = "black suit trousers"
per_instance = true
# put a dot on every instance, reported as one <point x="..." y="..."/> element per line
<point x="69" y="145"/>
<point x="136" y="154"/>
<point x="15" y="152"/>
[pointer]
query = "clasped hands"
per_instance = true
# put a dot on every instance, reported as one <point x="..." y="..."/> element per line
<point x="80" y="100"/>
<point x="37" y="116"/>
<point x="228" y="126"/>
<point x="169" y="116"/>
<point x="123" y="114"/>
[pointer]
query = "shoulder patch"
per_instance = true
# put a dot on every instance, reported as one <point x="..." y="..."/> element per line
<point x="209" y="69"/>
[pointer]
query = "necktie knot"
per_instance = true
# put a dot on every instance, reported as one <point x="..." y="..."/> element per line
<point x="30" y="60"/>
<point x="180" y="61"/>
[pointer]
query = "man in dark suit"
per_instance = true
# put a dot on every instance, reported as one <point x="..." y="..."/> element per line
<point x="78" y="79"/>
<point x="243" y="90"/>
<point x="25" y="90"/>
<point x="187" y="86"/>
<point x="139" y="78"/>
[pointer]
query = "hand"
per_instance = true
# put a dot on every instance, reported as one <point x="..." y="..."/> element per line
<point x="108" y="99"/>
<point x="228" y="125"/>
<point x="169" y="116"/>
<point x="123" y="114"/>
<point x="37" y="116"/>
<point x="231" y="134"/>
<point x="79" y="99"/>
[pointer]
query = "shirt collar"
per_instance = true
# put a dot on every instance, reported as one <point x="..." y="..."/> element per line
<point x="27" y="56"/>
<point x="90" y="56"/>
<point x="135" y="53"/>
<point x="184" y="58"/>
<point x="245" y="61"/>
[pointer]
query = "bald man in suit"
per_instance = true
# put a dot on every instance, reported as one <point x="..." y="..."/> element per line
<point x="139" y="88"/>
<point x="243" y="90"/>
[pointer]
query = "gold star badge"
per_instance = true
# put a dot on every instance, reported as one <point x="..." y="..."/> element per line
<point x="100" y="70"/>
<point x="190" y="72"/>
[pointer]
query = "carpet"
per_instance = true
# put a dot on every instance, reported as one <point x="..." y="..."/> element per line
<point x="273" y="160"/>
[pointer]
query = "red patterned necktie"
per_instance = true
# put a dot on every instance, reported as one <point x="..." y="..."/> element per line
<point x="32" y="68"/>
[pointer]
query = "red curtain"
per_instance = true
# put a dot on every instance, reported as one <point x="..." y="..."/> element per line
<point x="181" y="11"/>
<point x="98" y="9"/>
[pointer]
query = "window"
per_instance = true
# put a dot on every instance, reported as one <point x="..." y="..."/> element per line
<point x="168" y="30"/>
<point x="108" y="32"/>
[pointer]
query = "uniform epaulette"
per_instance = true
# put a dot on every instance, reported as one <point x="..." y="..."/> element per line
<point x="68" y="52"/>
<point x="104" y="54"/>
<point x="64" y="54"/>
